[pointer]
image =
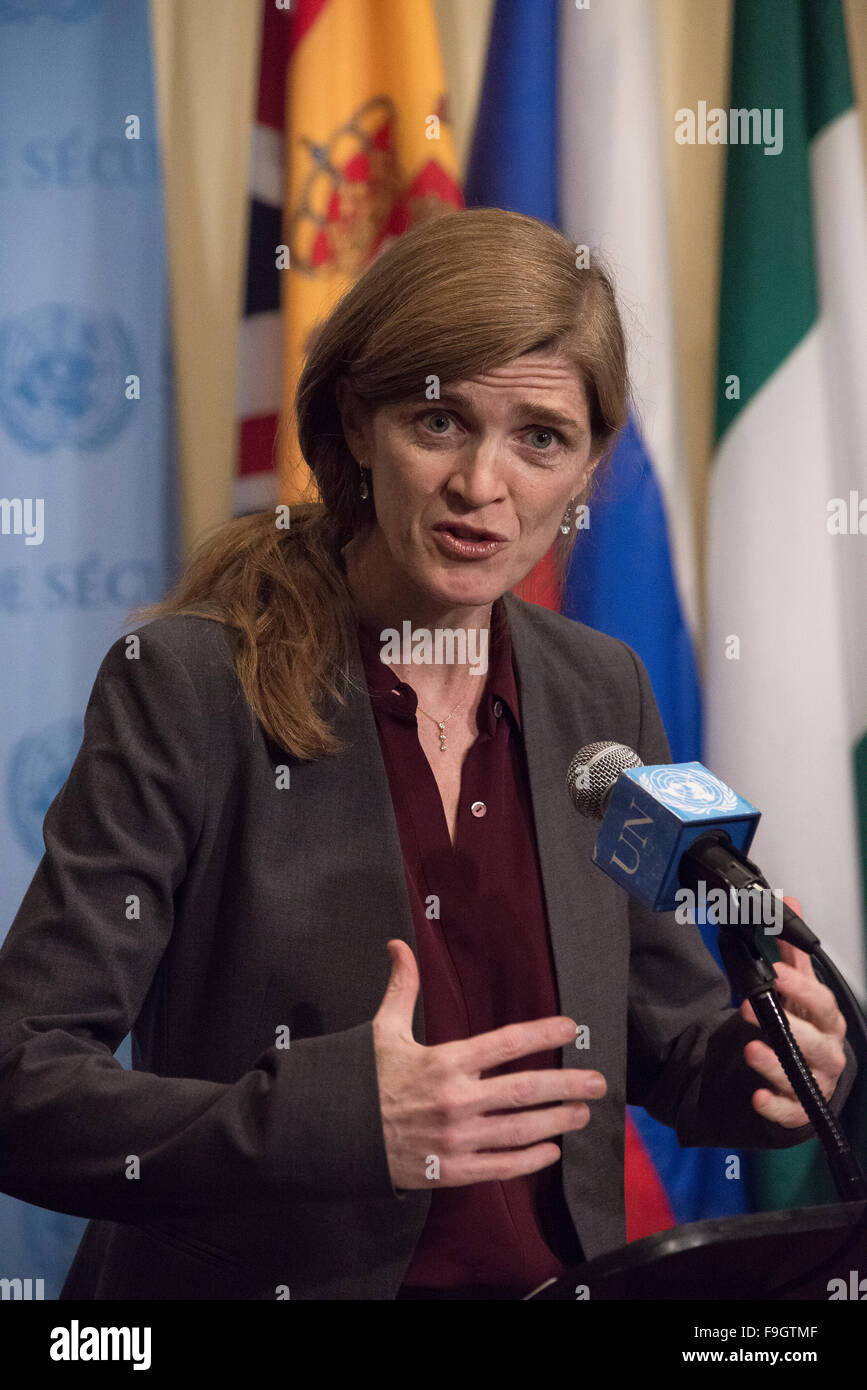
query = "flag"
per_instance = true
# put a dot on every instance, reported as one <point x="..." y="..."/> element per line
<point x="563" y="133"/>
<point x="86" y="425"/>
<point x="260" y="333"/>
<point x="513" y="157"/>
<point x="367" y="153"/>
<point x="633" y="572"/>
<point x="786" y="648"/>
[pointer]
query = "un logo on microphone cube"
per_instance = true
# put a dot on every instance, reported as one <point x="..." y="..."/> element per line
<point x="654" y="814"/>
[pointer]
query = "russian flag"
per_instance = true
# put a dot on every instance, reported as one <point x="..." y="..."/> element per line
<point x="568" y="131"/>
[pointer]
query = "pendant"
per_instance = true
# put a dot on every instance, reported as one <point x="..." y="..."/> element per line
<point x="442" y="729"/>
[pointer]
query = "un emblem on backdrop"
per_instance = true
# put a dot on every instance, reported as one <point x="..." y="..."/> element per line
<point x="73" y="10"/>
<point x="62" y="375"/>
<point x="38" y="767"/>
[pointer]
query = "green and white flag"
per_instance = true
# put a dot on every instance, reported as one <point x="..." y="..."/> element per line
<point x="786" y="656"/>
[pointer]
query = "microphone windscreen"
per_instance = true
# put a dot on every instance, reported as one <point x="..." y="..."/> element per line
<point x="593" y="772"/>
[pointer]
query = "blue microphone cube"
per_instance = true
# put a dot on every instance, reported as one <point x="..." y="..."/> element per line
<point x="653" y="816"/>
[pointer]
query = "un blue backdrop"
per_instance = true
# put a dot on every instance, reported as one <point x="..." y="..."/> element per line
<point x="87" y="477"/>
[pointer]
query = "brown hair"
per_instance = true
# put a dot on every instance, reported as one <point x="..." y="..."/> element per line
<point x="454" y="297"/>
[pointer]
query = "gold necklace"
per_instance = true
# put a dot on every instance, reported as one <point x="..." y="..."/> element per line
<point x="441" y="723"/>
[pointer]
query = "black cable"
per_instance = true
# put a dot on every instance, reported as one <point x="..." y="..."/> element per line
<point x="845" y="1169"/>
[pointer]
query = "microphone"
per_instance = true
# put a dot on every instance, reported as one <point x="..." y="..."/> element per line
<point x="672" y="827"/>
<point x="673" y="824"/>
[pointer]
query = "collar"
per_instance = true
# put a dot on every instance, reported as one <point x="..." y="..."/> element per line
<point x="395" y="697"/>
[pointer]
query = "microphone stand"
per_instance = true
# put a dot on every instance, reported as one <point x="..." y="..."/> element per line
<point x="712" y="859"/>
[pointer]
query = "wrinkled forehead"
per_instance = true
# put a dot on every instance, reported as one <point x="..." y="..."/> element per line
<point x="535" y="373"/>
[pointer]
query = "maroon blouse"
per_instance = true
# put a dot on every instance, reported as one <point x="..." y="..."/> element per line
<point x="484" y="962"/>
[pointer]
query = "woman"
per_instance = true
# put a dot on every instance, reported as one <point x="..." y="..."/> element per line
<point x="272" y="798"/>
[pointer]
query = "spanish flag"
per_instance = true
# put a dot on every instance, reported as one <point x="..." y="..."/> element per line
<point x="368" y="154"/>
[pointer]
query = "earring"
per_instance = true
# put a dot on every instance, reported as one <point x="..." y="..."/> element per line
<point x="363" y="491"/>
<point x="566" y="523"/>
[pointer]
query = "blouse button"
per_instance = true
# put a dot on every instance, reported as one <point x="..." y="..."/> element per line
<point x="498" y="709"/>
<point x="478" y="808"/>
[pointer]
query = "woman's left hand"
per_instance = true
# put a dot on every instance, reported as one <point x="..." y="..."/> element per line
<point x="818" y="1027"/>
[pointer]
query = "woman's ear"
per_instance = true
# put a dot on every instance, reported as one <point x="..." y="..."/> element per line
<point x="589" y="472"/>
<point x="352" y="418"/>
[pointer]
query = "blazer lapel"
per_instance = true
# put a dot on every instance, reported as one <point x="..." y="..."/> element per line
<point x="361" y="783"/>
<point x="554" y="728"/>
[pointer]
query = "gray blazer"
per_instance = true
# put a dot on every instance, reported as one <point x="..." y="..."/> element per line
<point x="185" y="897"/>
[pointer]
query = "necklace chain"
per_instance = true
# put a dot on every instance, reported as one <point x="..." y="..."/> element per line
<point x="441" y="723"/>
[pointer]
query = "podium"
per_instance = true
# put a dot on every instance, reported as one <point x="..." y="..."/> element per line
<point x="767" y="1255"/>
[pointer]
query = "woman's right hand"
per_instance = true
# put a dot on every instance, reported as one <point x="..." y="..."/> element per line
<point x="438" y="1114"/>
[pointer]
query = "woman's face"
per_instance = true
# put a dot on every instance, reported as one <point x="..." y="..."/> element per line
<point x="470" y="489"/>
